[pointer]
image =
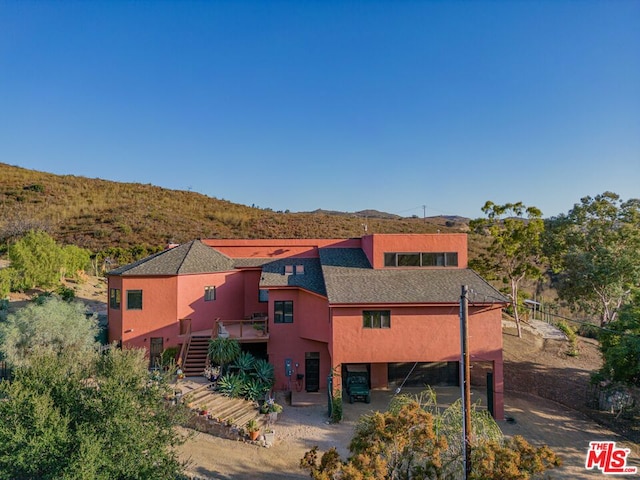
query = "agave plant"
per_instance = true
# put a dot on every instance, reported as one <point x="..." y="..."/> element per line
<point x="264" y="372"/>
<point x="230" y="385"/>
<point x="254" y="389"/>
<point x="244" y="362"/>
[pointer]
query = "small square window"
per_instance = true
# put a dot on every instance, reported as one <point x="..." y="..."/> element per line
<point x="134" y="299"/>
<point x="376" y="319"/>
<point x="299" y="269"/>
<point x="288" y="269"/>
<point x="209" y="294"/>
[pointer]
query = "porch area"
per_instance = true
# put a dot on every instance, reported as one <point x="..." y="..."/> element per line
<point x="195" y="344"/>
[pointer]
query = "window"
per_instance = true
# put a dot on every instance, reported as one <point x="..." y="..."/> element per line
<point x="263" y="295"/>
<point x="288" y="269"/>
<point x="408" y="259"/>
<point x="424" y="259"/>
<point x="376" y="319"/>
<point x="209" y="294"/>
<point x="114" y="298"/>
<point x="134" y="299"/>
<point x="283" y="311"/>
<point x="299" y="269"/>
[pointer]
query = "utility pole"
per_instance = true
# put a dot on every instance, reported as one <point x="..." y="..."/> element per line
<point x="424" y="213"/>
<point x="465" y="380"/>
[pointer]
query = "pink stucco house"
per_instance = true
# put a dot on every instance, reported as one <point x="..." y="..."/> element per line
<point x="313" y="305"/>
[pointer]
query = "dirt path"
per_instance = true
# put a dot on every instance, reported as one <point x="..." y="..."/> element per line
<point x="566" y="431"/>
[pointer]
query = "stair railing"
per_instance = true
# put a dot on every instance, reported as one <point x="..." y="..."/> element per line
<point x="185" y="345"/>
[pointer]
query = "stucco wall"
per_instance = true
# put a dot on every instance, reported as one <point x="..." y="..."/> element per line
<point x="285" y="339"/>
<point x="158" y="317"/>
<point x="375" y="246"/>
<point x="425" y="334"/>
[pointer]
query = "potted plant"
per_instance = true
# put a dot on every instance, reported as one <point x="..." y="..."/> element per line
<point x="261" y="328"/>
<point x="203" y="410"/>
<point x="271" y="408"/>
<point x="253" y="429"/>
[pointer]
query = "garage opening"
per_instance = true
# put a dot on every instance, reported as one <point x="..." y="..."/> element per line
<point x="425" y="373"/>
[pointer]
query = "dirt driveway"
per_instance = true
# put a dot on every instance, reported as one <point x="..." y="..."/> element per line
<point x="540" y="421"/>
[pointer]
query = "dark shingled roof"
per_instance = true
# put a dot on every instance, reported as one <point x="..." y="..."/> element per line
<point x="273" y="275"/>
<point x="251" y="262"/>
<point x="350" y="279"/>
<point x="343" y="275"/>
<point x="192" y="257"/>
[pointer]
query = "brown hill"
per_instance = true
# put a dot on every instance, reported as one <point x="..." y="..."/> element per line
<point x="98" y="214"/>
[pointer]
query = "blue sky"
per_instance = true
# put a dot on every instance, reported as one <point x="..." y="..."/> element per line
<point x="330" y="104"/>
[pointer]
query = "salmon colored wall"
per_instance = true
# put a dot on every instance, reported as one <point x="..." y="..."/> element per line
<point x="227" y="305"/>
<point x="425" y="334"/>
<point x="158" y="317"/>
<point x="266" y="248"/>
<point x="379" y="375"/>
<point x="115" y="315"/>
<point x="252" y="304"/>
<point x="316" y="324"/>
<point x="375" y="246"/>
<point x="285" y="338"/>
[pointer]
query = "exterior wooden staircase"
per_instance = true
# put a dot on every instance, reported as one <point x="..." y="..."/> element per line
<point x="196" y="356"/>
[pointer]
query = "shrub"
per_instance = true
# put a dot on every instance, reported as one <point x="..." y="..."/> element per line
<point x="571" y="336"/>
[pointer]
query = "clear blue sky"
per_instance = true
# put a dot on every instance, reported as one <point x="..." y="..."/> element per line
<point x="330" y="104"/>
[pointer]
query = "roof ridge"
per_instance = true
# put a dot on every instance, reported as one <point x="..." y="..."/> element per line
<point x="185" y="256"/>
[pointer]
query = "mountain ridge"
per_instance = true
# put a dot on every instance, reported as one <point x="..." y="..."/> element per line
<point x="97" y="214"/>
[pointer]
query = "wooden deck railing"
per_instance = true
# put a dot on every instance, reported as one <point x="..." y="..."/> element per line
<point x="255" y="329"/>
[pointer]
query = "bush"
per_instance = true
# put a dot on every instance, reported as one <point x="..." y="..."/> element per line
<point x="336" y="407"/>
<point x="571" y="336"/>
<point x="588" y="330"/>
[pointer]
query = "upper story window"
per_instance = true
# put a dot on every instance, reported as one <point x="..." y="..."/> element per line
<point x="283" y="311"/>
<point x="376" y="318"/>
<point x="294" y="269"/>
<point x="421" y="259"/>
<point x="209" y="294"/>
<point x="114" y="298"/>
<point x="263" y="295"/>
<point x="134" y="299"/>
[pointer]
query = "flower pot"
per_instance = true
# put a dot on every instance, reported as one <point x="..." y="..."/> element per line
<point x="269" y="437"/>
<point x="254" y="435"/>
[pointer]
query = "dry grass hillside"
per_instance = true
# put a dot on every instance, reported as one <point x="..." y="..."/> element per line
<point x="98" y="214"/>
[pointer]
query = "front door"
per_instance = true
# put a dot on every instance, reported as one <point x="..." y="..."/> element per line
<point x="155" y="352"/>
<point x="312" y="371"/>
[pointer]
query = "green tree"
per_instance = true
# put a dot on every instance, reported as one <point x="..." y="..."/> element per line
<point x="48" y="325"/>
<point x="223" y="351"/>
<point x="514" y="252"/>
<point x="620" y="346"/>
<point x="36" y="260"/>
<point x="415" y="439"/>
<point x="75" y="261"/>
<point x="595" y="252"/>
<point x="89" y="416"/>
